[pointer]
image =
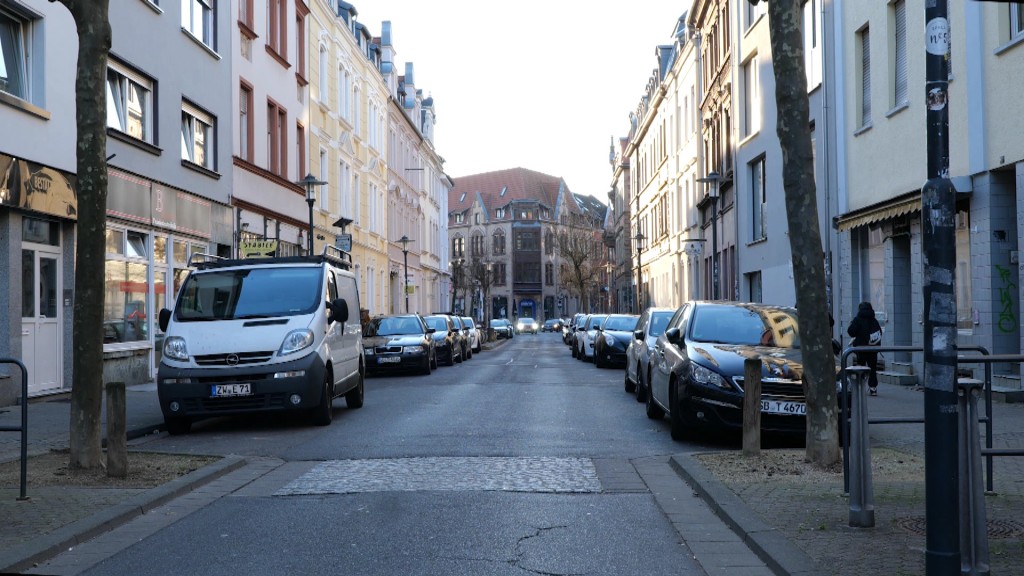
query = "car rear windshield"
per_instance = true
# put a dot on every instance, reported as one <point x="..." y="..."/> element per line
<point x="237" y="294"/>
<point x="762" y="326"/>
<point x="659" y="320"/>
<point x="393" y="326"/>
<point x="438" y="323"/>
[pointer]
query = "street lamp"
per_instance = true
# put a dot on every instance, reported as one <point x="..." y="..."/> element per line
<point x="716" y="179"/>
<point x="639" y="239"/>
<point x="310" y="182"/>
<point x="405" y="253"/>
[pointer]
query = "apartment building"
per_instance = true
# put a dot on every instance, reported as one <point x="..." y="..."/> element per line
<point x="269" y="78"/>
<point x="510" y="221"/>
<point x="882" y="132"/>
<point x="170" y="177"/>
<point x="348" y="119"/>
<point x="417" y="193"/>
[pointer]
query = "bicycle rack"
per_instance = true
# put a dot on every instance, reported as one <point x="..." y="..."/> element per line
<point x="23" y="428"/>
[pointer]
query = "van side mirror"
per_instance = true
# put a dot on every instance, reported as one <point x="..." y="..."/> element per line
<point x="339" y="311"/>
<point x="165" y="319"/>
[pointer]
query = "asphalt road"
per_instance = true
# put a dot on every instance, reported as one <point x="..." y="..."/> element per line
<point x="521" y="460"/>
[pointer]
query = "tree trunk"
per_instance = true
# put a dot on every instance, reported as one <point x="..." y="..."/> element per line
<point x="804" y="232"/>
<point x="94" y="38"/>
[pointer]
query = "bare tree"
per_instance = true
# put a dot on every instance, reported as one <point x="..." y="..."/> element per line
<point x="791" y="101"/>
<point x="578" y="249"/>
<point x="482" y="275"/>
<point x="94" y="38"/>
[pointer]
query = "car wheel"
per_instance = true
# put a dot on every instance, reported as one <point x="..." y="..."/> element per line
<point x="324" y="412"/>
<point x="469" y="352"/>
<point x="451" y="357"/>
<point x="460" y="358"/>
<point x="478" y="348"/>
<point x="178" y="426"/>
<point x="426" y="367"/>
<point x="654" y="412"/>
<point x="641" y="388"/>
<point x="679" y="428"/>
<point x="597" y="359"/>
<point x="573" y="350"/>
<point x="433" y="363"/>
<point x="628" y="384"/>
<point x="354" y="397"/>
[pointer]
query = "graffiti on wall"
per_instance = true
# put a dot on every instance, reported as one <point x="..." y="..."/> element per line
<point x="1007" y="321"/>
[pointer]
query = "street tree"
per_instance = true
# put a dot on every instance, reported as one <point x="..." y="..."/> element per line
<point x="793" y="129"/>
<point x="482" y="275"/>
<point x="578" y="249"/>
<point x="94" y="39"/>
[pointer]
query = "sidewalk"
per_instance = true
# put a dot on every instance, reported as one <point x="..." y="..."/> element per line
<point x="793" y="525"/>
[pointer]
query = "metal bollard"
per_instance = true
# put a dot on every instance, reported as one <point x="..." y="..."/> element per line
<point x="974" y="558"/>
<point x="862" y="498"/>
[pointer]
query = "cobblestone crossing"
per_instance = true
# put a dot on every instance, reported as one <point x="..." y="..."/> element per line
<point x="576" y="475"/>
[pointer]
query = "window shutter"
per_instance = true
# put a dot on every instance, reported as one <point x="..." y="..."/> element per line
<point x="900" y="80"/>
<point x="865" y="47"/>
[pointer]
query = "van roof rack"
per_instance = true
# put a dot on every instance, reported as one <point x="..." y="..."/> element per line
<point x="330" y="254"/>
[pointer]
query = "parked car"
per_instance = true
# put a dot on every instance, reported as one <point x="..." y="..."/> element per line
<point x="587" y="335"/>
<point x="638" y="355"/>
<point x="463" y="336"/>
<point x="527" y="325"/>
<point x="502" y="328"/>
<point x="613" y="337"/>
<point x="398" y="343"/>
<point x="474" y="335"/>
<point x="552" y="325"/>
<point x="697" y="367"/>
<point x="447" y="345"/>
<point x="569" y="331"/>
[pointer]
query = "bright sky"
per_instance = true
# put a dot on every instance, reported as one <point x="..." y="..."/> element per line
<point x="542" y="85"/>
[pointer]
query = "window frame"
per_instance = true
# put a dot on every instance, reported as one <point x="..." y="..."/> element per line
<point x="758" y="221"/>
<point x="1016" y="21"/>
<point x="277" y="139"/>
<point x="246" y="128"/>
<point x="190" y="115"/>
<point x="900" y="74"/>
<point x="127" y="78"/>
<point x="207" y="34"/>
<point x="864" y="47"/>
<point x="20" y="50"/>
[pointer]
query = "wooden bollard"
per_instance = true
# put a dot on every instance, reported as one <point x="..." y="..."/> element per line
<point x="752" y="407"/>
<point x="117" y="431"/>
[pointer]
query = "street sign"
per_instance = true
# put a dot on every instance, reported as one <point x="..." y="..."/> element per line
<point x="343" y="242"/>
<point x="257" y="248"/>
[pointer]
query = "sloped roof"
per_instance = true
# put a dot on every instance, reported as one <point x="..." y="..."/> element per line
<point x="518" y="184"/>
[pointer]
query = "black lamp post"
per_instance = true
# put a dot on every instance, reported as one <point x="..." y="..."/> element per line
<point x="405" y="253"/>
<point x="310" y="183"/>
<point x="639" y="239"/>
<point x="715" y="179"/>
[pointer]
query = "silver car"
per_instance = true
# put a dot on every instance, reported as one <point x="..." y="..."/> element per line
<point x="638" y="356"/>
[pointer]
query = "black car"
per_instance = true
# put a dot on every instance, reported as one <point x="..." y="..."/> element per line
<point x="397" y="343"/>
<point x="613" y="338"/>
<point x="552" y="325"/>
<point x="447" y="344"/>
<point x="463" y="337"/>
<point x="502" y="328"/>
<point x="697" y="367"/>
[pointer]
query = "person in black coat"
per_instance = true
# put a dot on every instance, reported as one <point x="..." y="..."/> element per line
<point x="866" y="331"/>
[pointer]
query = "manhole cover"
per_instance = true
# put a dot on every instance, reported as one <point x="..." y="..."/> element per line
<point x="997" y="529"/>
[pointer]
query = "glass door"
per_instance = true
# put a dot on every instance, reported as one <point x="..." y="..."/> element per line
<point x="42" y="349"/>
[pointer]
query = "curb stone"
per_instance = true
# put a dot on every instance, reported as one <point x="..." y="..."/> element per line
<point x="774" y="549"/>
<point x="28" y="554"/>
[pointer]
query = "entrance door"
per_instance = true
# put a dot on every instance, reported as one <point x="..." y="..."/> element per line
<point x="41" y="345"/>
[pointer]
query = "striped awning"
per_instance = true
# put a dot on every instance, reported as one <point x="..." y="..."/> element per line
<point x="879" y="212"/>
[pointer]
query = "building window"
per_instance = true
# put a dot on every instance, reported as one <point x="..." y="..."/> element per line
<point x="277" y="27"/>
<point x="549" y="243"/>
<point x="549" y="274"/>
<point x="460" y="218"/>
<point x="245" y="12"/>
<point x="129" y="102"/>
<point x="197" y="19"/>
<point x="499" y="213"/>
<point x="864" y="42"/>
<point x="751" y="98"/>
<point x="499" y="243"/>
<point x="14" y="54"/>
<point x="899" y="9"/>
<point x="1016" y="21"/>
<point x="277" y="139"/>
<point x="345" y="189"/>
<point x="300" y="153"/>
<point x="758" y="200"/>
<point x="126" y="287"/>
<point x="245" y="136"/>
<point x="322" y="84"/>
<point x="345" y="94"/>
<point x="300" y="44"/>
<point x="964" y="303"/>
<point x="527" y="272"/>
<point x="197" y="145"/>
<point x="528" y="240"/>
<point x="459" y="247"/>
<point x="325" y="200"/>
<point x="477" y="245"/>
<point x="500" y="274"/>
<point x="754" y="286"/>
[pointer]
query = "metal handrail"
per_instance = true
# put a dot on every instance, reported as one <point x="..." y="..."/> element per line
<point x="23" y="428"/>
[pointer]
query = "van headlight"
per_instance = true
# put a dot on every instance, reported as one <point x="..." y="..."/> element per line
<point x="296" y="340"/>
<point x="175" y="349"/>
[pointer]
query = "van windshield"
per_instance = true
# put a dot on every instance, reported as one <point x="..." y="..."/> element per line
<point x="250" y="293"/>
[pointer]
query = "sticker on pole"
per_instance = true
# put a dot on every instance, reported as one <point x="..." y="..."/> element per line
<point x="936" y="36"/>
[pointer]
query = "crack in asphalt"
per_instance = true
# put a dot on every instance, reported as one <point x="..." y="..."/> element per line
<point x="520" y="553"/>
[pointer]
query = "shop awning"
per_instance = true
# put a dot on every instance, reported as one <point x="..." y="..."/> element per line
<point x="878" y="213"/>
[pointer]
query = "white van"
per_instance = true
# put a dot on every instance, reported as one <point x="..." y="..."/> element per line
<point x="262" y="334"/>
